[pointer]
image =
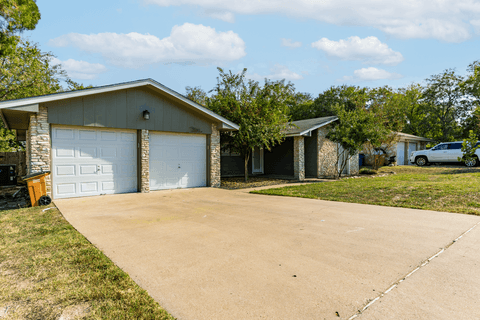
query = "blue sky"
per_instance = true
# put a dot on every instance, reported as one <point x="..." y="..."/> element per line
<point x="314" y="44"/>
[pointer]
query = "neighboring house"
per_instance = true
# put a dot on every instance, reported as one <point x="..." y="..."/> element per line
<point x="127" y="137"/>
<point x="401" y="148"/>
<point x="305" y="153"/>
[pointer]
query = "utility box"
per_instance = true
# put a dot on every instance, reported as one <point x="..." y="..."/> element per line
<point x="8" y="176"/>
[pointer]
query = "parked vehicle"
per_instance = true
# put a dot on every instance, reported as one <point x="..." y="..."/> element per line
<point x="443" y="152"/>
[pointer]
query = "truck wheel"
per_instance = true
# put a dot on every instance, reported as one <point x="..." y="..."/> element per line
<point x="472" y="163"/>
<point x="421" y="161"/>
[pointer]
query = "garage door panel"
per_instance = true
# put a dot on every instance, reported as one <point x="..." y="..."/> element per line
<point x="88" y="170"/>
<point x="87" y="152"/>
<point x="108" y="136"/>
<point x="65" y="152"/>
<point x="66" y="189"/>
<point x="99" y="163"/>
<point x="64" y="134"/>
<point x="87" y="135"/>
<point x="177" y="160"/>
<point x="67" y="170"/>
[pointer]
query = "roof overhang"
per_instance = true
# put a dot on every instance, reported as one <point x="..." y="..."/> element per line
<point x="308" y="132"/>
<point x="28" y="104"/>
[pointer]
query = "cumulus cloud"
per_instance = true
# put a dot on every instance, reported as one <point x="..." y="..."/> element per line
<point x="370" y="50"/>
<point x="80" y="69"/>
<point x="289" y="43"/>
<point x="372" y="74"/>
<point x="221" y="15"/>
<point x="447" y="20"/>
<point x="188" y="42"/>
<point x="278" y="72"/>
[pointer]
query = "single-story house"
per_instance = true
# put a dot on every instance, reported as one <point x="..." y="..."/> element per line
<point x="305" y="153"/>
<point x="401" y="148"/>
<point x="126" y="137"/>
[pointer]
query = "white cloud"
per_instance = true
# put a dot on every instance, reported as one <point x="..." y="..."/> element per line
<point x="221" y="15"/>
<point x="372" y="74"/>
<point x="278" y="72"/>
<point x="289" y="43"/>
<point x="370" y="50"/>
<point x="80" y="69"/>
<point x="446" y="20"/>
<point x="186" y="43"/>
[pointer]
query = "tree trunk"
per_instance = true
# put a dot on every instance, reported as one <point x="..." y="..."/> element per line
<point x="247" y="157"/>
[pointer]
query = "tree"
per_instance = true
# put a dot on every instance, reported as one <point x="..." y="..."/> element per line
<point x="196" y="94"/>
<point x="389" y="107"/>
<point x="300" y="106"/>
<point x="469" y="146"/>
<point x="16" y="16"/>
<point x="446" y="103"/>
<point x="353" y="129"/>
<point x="26" y="72"/>
<point x="349" y="97"/>
<point x="260" y="112"/>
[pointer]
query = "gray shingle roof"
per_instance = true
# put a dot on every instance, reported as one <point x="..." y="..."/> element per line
<point x="303" y="126"/>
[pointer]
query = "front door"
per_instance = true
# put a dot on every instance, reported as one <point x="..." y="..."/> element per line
<point x="257" y="160"/>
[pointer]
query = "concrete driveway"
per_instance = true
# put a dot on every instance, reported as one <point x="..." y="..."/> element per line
<point x="218" y="254"/>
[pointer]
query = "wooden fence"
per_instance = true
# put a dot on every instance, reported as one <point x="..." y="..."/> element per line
<point x="17" y="158"/>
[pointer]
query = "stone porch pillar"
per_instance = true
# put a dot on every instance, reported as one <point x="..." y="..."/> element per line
<point x="299" y="158"/>
<point x="406" y="155"/>
<point x="214" y="157"/>
<point x="144" y="162"/>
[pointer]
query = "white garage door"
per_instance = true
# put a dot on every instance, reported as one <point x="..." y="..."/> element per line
<point x="93" y="161"/>
<point x="400" y="153"/>
<point x="177" y="160"/>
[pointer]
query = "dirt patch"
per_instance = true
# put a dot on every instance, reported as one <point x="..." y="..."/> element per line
<point x="253" y="182"/>
<point x="75" y="312"/>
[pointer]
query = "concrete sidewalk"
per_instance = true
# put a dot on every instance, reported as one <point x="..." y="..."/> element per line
<point x="219" y="254"/>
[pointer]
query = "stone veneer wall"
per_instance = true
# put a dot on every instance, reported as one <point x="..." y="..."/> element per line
<point x="215" y="157"/>
<point x="327" y="154"/>
<point x="299" y="158"/>
<point x="354" y="165"/>
<point x="39" y="145"/>
<point x="144" y="161"/>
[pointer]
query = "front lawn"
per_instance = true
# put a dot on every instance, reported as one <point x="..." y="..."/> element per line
<point x="48" y="270"/>
<point x="446" y="188"/>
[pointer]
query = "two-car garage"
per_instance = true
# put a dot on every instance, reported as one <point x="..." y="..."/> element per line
<point x="94" y="161"/>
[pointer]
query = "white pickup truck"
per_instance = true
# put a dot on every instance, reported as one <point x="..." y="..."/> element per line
<point x="443" y="152"/>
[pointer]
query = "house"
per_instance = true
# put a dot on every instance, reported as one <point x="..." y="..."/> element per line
<point x="126" y="137"/>
<point x="305" y="153"/>
<point x="401" y="148"/>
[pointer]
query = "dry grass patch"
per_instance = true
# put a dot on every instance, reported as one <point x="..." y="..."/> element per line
<point x="253" y="182"/>
<point x="50" y="271"/>
<point x="439" y="188"/>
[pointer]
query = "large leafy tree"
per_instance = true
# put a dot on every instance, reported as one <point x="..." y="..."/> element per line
<point x="16" y="16"/>
<point x="446" y="104"/>
<point x="26" y="71"/>
<point x="259" y="110"/>
<point x="353" y="129"/>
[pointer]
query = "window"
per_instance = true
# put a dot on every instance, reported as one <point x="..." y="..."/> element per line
<point x="456" y="145"/>
<point x="441" y="147"/>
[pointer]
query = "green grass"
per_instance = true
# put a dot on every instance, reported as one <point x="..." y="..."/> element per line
<point x="48" y="269"/>
<point x="450" y="189"/>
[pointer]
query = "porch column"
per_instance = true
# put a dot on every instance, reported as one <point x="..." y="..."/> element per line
<point x="144" y="162"/>
<point x="406" y="155"/>
<point x="299" y="158"/>
<point x="214" y="158"/>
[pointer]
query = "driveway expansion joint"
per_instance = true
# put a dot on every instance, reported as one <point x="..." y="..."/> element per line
<point x="396" y="284"/>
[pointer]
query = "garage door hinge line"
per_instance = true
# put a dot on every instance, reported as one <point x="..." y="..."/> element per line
<point x="412" y="272"/>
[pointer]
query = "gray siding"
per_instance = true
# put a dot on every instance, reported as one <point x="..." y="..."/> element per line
<point x="279" y="160"/>
<point x="124" y="109"/>
<point x="311" y="155"/>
